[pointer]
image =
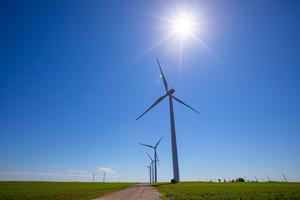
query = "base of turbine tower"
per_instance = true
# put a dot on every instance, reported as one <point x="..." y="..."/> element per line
<point x="174" y="181"/>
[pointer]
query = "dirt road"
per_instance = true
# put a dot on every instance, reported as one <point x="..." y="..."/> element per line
<point x="137" y="192"/>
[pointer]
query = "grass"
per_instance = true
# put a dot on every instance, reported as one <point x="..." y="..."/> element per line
<point x="57" y="190"/>
<point x="204" y="190"/>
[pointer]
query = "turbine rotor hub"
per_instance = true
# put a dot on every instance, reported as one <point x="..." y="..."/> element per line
<point x="171" y="91"/>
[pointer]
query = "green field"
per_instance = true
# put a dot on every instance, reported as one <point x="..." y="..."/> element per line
<point x="56" y="190"/>
<point x="202" y="190"/>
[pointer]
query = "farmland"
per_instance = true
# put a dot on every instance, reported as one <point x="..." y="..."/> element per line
<point x="57" y="190"/>
<point x="205" y="190"/>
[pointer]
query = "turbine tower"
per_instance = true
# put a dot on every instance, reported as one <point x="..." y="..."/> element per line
<point x="104" y="177"/>
<point x="94" y="177"/>
<point x="151" y="164"/>
<point x="268" y="178"/>
<point x="284" y="177"/>
<point x="170" y="93"/>
<point x="149" y="168"/>
<point x="155" y="157"/>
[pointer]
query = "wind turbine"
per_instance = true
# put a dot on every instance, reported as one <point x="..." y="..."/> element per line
<point x="149" y="168"/>
<point x="268" y="178"/>
<point x="155" y="156"/>
<point x="151" y="164"/>
<point x="169" y="93"/>
<point x="104" y="177"/>
<point x="94" y="177"/>
<point x="284" y="177"/>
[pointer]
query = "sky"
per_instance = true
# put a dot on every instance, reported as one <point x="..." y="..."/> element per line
<point x="74" y="75"/>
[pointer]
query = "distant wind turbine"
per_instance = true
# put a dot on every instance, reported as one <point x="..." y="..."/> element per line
<point x="149" y="168"/>
<point x="93" y="177"/>
<point x="268" y="178"/>
<point x="151" y="164"/>
<point x="284" y="177"/>
<point x="169" y="93"/>
<point x="104" y="174"/>
<point x="155" y="156"/>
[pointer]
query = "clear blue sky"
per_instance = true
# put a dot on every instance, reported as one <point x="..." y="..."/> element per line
<point x="72" y="82"/>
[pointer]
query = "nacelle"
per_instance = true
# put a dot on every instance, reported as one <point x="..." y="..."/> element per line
<point x="171" y="91"/>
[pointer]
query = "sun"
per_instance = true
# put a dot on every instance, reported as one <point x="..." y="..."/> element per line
<point x="183" y="25"/>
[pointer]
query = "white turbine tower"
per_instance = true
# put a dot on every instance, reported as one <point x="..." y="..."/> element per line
<point x="104" y="174"/>
<point x="169" y="93"/>
<point x="149" y="168"/>
<point x="155" y="156"/>
<point x="268" y="178"/>
<point x="151" y="164"/>
<point x="93" y="174"/>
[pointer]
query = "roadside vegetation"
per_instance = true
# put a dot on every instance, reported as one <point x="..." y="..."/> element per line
<point x="235" y="190"/>
<point x="57" y="190"/>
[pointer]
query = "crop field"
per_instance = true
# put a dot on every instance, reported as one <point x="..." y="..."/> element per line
<point x="57" y="190"/>
<point x="204" y="190"/>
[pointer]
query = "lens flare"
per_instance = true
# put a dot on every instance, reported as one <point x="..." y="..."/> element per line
<point x="183" y="25"/>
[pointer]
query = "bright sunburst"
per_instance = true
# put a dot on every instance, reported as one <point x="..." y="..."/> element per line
<point x="183" y="26"/>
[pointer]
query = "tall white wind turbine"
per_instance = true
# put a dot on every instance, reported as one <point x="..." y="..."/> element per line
<point x="170" y="93"/>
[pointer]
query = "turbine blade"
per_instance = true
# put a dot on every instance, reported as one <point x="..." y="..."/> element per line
<point x="146" y="145"/>
<point x="158" y="142"/>
<point x="163" y="76"/>
<point x="150" y="157"/>
<point x="184" y="104"/>
<point x="154" y="104"/>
